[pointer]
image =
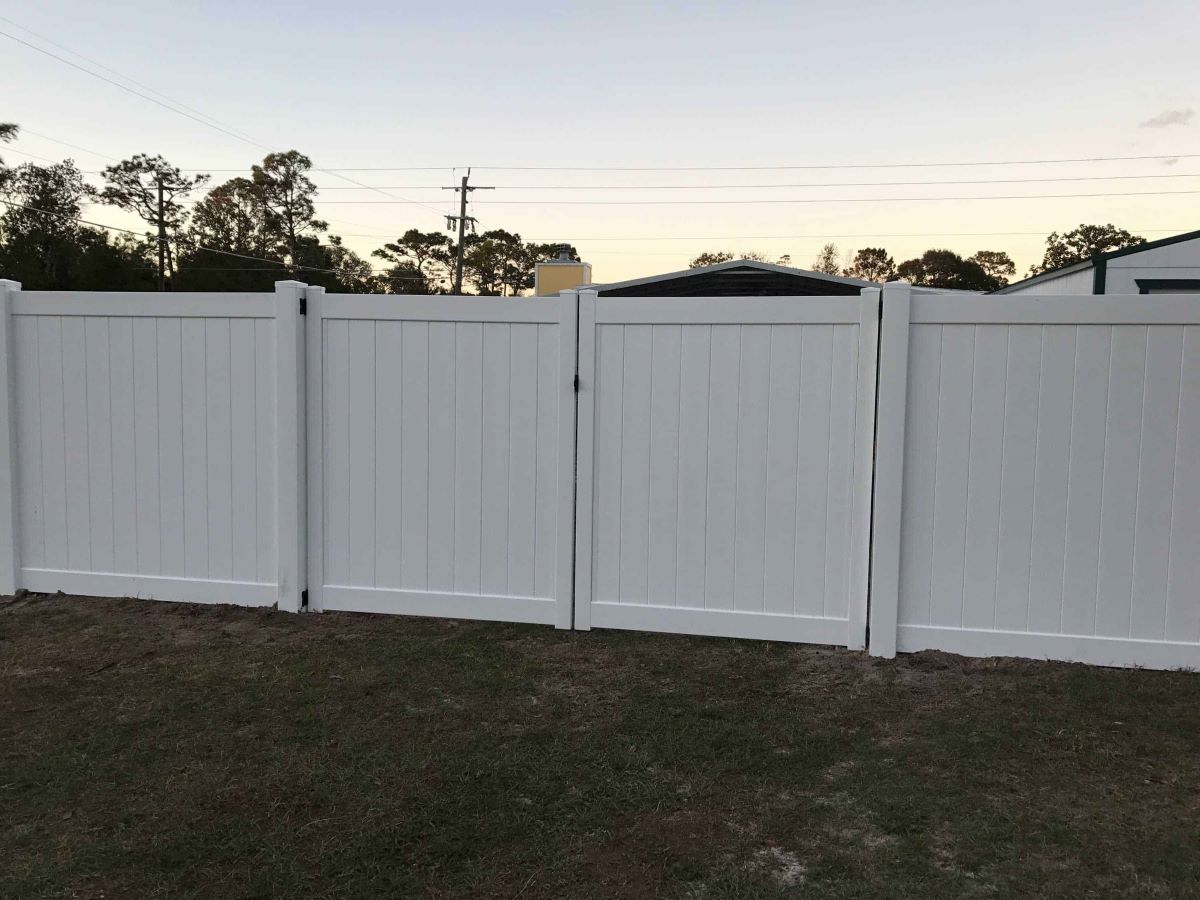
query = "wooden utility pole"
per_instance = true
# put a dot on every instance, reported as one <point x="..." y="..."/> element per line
<point x="162" y="239"/>
<point x="462" y="220"/>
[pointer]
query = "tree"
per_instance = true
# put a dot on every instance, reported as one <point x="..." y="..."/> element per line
<point x="872" y="264"/>
<point x="334" y="266"/>
<point x="827" y="260"/>
<point x="231" y="217"/>
<point x="997" y="264"/>
<point x="493" y="260"/>
<point x="946" y="269"/>
<point x="1083" y="243"/>
<point x="41" y="234"/>
<point x="229" y="244"/>
<point x="122" y="263"/>
<point x="8" y="132"/>
<point x="152" y="189"/>
<point x="711" y="259"/>
<point x="722" y="256"/>
<point x="287" y="194"/>
<point x="422" y="262"/>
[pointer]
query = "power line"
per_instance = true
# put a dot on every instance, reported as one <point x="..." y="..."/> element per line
<point x="774" y="168"/>
<point x="823" y="236"/>
<point x="108" y="69"/>
<point x="47" y="137"/>
<point x="808" y="184"/>
<point x="786" y="201"/>
<point x="900" y="165"/>
<point x="203" y="120"/>
<point x="31" y="155"/>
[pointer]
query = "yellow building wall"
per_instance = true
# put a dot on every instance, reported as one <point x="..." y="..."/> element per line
<point x="550" y="278"/>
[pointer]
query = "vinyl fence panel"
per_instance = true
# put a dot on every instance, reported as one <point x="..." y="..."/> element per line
<point x="145" y="444"/>
<point x="441" y="455"/>
<point x="724" y="477"/>
<point x="1049" y="500"/>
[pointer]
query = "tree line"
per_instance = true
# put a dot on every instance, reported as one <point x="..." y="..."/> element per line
<point x="251" y="230"/>
<point x="985" y="270"/>
<point x="243" y="234"/>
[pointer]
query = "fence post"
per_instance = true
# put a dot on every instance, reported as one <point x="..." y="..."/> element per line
<point x="584" y="448"/>
<point x="291" y="488"/>
<point x="889" y="467"/>
<point x="313" y="436"/>
<point x="864" y="458"/>
<point x="9" y="536"/>
<point x="568" y="351"/>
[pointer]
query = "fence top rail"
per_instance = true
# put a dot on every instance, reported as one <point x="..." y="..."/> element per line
<point x="136" y="303"/>
<point x="729" y="310"/>
<point x="1125" y="309"/>
<point x="442" y="308"/>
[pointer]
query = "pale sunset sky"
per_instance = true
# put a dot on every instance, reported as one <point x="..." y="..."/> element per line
<point x="503" y="85"/>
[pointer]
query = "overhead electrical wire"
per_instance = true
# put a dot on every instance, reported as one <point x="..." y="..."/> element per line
<point x="46" y="137"/>
<point x="773" y="168"/>
<point x="778" y="200"/>
<point x="780" y="168"/>
<point x="203" y="120"/>
<point x="777" y="186"/>
<point x="825" y="236"/>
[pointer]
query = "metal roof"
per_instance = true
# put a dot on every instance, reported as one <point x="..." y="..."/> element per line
<point x="739" y="264"/>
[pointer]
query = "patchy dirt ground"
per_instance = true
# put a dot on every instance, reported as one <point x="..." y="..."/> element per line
<point x="157" y="750"/>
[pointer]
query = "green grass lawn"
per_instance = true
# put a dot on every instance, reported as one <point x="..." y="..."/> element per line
<point x="155" y="750"/>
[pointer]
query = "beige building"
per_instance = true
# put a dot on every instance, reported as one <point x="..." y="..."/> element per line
<point x="562" y="274"/>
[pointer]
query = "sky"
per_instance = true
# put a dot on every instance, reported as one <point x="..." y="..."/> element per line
<point x="499" y="86"/>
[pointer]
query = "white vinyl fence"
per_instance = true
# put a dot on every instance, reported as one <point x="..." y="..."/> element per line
<point x="145" y="444"/>
<point x="441" y="451"/>
<point x="724" y="465"/>
<point x="1037" y="492"/>
<point x="1025" y="482"/>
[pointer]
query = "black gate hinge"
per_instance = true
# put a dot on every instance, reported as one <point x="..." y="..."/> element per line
<point x="304" y="599"/>
<point x="577" y="382"/>
<point x="303" y="305"/>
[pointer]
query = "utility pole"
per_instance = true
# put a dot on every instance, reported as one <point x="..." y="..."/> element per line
<point x="462" y="220"/>
<point x="162" y="238"/>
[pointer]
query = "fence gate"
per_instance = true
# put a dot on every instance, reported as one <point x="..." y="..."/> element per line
<point x="441" y="447"/>
<point x="724" y="465"/>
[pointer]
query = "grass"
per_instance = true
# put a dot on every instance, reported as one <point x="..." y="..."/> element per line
<point x="154" y="750"/>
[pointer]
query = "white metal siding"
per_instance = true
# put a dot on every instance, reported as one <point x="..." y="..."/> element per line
<point x="1075" y="283"/>
<point x="1181" y="260"/>
<point x="146" y="447"/>
<point x="1050" y="507"/>
<point x="441" y="439"/>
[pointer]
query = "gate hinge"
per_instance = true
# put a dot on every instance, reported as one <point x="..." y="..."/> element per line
<point x="577" y="382"/>
<point x="303" y="305"/>
<point x="304" y="600"/>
